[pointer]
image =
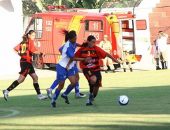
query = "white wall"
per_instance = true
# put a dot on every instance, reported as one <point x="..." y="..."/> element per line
<point x="11" y="31"/>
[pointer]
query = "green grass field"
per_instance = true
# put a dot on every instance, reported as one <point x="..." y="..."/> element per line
<point x="148" y="109"/>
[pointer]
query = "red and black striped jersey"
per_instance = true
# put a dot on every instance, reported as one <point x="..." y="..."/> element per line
<point x="25" y="50"/>
<point x="95" y="53"/>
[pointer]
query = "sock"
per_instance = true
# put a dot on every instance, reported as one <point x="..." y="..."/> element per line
<point x="68" y="90"/>
<point x="56" y="94"/>
<point x="91" y="88"/>
<point x="77" y="88"/>
<point x="13" y="85"/>
<point x="37" y="88"/>
<point x="55" y="83"/>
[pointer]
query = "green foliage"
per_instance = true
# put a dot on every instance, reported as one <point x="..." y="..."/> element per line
<point x="29" y="8"/>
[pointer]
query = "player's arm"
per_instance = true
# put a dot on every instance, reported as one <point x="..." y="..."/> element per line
<point x="102" y="54"/>
<point x="17" y="49"/>
<point x="77" y="59"/>
<point x="78" y="45"/>
<point x="113" y="59"/>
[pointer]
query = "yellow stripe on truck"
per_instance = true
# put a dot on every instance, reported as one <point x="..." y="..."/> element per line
<point x="75" y="23"/>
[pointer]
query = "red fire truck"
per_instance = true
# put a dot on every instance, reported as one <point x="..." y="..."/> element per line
<point x="48" y="25"/>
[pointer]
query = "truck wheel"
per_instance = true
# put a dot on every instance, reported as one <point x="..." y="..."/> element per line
<point x="38" y="61"/>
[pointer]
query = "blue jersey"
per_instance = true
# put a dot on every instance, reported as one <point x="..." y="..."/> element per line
<point x="67" y="51"/>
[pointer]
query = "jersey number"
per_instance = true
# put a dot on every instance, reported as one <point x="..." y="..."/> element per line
<point x="23" y="48"/>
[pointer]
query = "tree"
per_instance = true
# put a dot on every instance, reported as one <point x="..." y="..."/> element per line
<point x="29" y="7"/>
<point x="34" y="6"/>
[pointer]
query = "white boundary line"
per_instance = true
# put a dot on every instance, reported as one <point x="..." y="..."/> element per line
<point x="11" y="114"/>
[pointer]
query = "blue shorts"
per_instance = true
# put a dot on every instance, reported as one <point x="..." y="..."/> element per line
<point x="73" y="71"/>
<point x="61" y="73"/>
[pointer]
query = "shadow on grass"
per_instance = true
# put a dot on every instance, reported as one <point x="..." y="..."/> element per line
<point x="162" y="126"/>
<point x="146" y="100"/>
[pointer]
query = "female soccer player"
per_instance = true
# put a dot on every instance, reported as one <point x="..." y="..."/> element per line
<point x="61" y="68"/>
<point x="91" y="69"/>
<point x="25" y="50"/>
<point x="73" y="71"/>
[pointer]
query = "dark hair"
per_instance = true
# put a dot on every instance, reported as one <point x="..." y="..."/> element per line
<point x="69" y="34"/>
<point x="25" y="37"/>
<point x="90" y="38"/>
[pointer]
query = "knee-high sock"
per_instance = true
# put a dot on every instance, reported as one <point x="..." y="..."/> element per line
<point x="55" y="83"/>
<point x="37" y="88"/>
<point x="56" y="94"/>
<point x="77" y="90"/>
<point x="68" y="90"/>
<point x="91" y="88"/>
<point x="13" y="85"/>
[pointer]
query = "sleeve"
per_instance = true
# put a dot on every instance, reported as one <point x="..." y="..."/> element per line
<point x="32" y="46"/>
<point x="70" y="52"/>
<point x="100" y="52"/>
<point x="17" y="48"/>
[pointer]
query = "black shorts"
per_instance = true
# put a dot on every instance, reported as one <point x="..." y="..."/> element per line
<point x="26" y="68"/>
<point x="88" y="73"/>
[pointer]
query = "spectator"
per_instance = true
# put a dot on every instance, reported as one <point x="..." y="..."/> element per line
<point x="127" y="61"/>
<point x="161" y="49"/>
<point x="107" y="46"/>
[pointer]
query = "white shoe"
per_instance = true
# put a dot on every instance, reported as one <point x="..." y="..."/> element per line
<point x="49" y="93"/>
<point x="80" y="95"/>
<point x="41" y="97"/>
<point x="5" y="93"/>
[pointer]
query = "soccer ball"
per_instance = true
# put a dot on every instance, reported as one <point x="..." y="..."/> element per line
<point x="123" y="100"/>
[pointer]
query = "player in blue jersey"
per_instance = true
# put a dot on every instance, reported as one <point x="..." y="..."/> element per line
<point x="61" y="68"/>
<point x="73" y="71"/>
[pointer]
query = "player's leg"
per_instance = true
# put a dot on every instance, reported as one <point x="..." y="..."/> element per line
<point x="70" y="87"/>
<point x="95" y="81"/>
<point x="37" y="87"/>
<point x="23" y="73"/>
<point x="53" y="86"/>
<point x="91" y="80"/>
<point x="78" y="94"/>
<point x="35" y="83"/>
<point x="57" y="93"/>
<point x="61" y="76"/>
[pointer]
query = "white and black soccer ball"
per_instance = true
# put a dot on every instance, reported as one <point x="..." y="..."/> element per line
<point x="123" y="100"/>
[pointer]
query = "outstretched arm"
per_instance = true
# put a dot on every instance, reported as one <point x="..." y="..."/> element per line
<point x="111" y="57"/>
<point x="77" y="59"/>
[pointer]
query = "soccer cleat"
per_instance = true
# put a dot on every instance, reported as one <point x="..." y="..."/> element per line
<point x="5" y="93"/>
<point x="53" y="104"/>
<point x="89" y="102"/>
<point x="80" y="95"/>
<point x="49" y="93"/>
<point x="41" y="97"/>
<point x="65" y="98"/>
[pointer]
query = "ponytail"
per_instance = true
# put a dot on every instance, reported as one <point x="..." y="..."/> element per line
<point x="69" y="34"/>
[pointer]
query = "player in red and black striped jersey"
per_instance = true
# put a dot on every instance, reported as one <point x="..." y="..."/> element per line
<point x="91" y="69"/>
<point x="25" y="50"/>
